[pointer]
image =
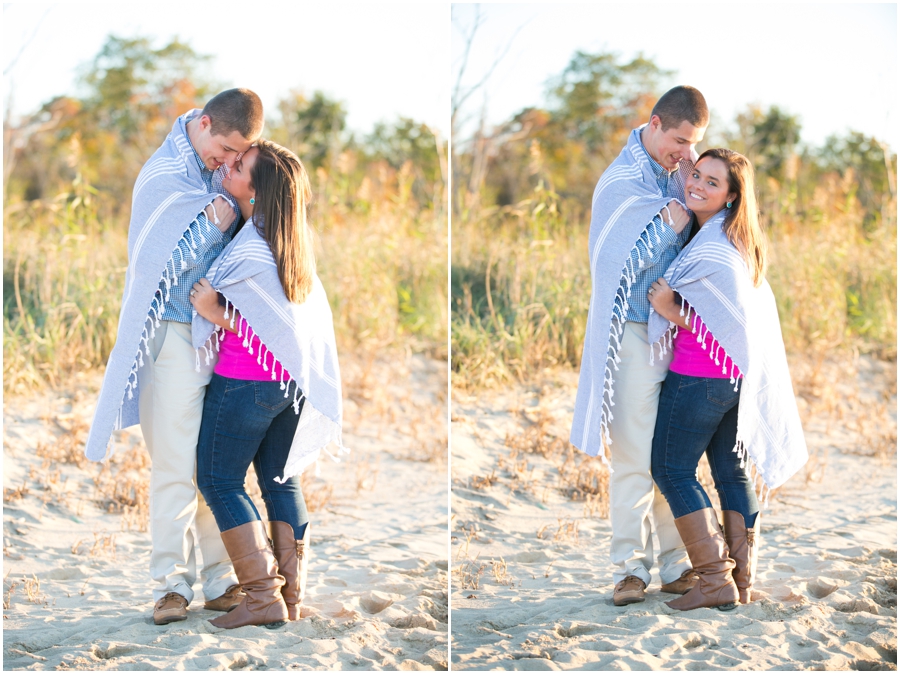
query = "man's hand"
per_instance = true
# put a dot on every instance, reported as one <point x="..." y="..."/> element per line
<point x="225" y="212"/>
<point x="205" y="301"/>
<point x="677" y="217"/>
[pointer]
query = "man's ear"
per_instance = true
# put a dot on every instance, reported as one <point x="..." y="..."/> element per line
<point x="205" y="122"/>
<point x="655" y="122"/>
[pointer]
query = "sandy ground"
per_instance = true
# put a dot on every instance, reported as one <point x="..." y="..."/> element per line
<point x="77" y="591"/>
<point x="531" y="578"/>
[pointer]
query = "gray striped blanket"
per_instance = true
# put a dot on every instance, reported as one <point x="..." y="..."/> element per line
<point x="713" y="280"/>
<point x="626" y="199"/>
<point x="168" y="195"/>
<point x="288" y="337"/>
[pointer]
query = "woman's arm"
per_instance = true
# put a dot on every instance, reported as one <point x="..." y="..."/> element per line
<point x="205" y="301"/>
<point x="662" y="299"/>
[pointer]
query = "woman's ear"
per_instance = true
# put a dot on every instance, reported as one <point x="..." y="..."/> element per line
<point x="731" y="198"/>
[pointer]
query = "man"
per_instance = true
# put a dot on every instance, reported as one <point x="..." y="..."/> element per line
<point x="179" y="225"/>
<point x="638" y="226"/>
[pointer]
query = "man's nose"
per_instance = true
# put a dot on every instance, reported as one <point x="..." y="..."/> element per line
<point x="230" y="159"/>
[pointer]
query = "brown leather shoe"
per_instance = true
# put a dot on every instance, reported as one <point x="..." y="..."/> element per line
<point x="629" y="591"/>
<point x="743" y="548"/>
<point x="706" y="548"/>
<point x="254" y="565"/>
<point x="227" y="601"/>
<point x="293" y="564"/>
<point x="170" y="609"/>
<point x="682" y="584"/>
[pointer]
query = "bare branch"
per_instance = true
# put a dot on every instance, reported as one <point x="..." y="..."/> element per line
<point x="12" y="64"/>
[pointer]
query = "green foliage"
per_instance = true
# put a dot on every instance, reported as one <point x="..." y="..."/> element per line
<point x="132" y="94"/>
<point x="69" y="174"/>
<point x="409" y="141"/>
<point x="592" y="107"/>
<point x="311" y="127"/>
<point x="872" y="167"/>
<point x="520" y="279"/>
<point x="768" y="139"/>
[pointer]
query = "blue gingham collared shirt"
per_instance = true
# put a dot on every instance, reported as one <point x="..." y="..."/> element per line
<point x="663" y="252"/>
<point x="190" y="270"/>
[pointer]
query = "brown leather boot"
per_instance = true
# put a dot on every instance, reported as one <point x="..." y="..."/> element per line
<point x="743" y="548"/>
<point x="293" y="564"/>
<point x="254" y="565"/>
<point x="705" y="546"/>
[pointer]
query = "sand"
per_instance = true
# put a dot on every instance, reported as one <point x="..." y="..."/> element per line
<point x="827" y="568"/>
<point x="77" y="591"/>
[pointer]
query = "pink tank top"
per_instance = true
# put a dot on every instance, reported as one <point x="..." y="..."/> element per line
<point x="692" y="360"/>
<point x="236" y="362"/>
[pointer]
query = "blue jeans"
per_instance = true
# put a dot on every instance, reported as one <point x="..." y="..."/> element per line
<point x="697" y="415"/>
<point x="244" y="422"/>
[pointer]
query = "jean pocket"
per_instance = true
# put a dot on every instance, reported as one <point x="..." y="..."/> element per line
<point x="236" y="384"/>
<point x="722" y="392"/>
<point x="270" y="396"/>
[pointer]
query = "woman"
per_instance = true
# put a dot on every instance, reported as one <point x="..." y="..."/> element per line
<point x="728" y="391"/>
<point x="275" y="331"/>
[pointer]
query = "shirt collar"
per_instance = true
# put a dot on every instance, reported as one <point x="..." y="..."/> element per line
<point x="658" y="169"/>
<point x="196" y="155"/>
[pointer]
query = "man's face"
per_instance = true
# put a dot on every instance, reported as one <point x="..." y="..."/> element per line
<point x="216" y="150"/>
<point x="672" y="145"/>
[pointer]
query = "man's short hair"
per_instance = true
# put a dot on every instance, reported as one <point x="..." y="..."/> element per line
<point x="236" y="110"/>
<point x="679" y="104"/>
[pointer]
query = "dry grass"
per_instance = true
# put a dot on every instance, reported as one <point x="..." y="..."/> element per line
<point x="500" y="573"/>
<point x="521" y="284"/>
<point x="469" y="574"/>
<point x="566" y="530"/>
<point x="382" y="258"/>
<point x="103" y="545"/>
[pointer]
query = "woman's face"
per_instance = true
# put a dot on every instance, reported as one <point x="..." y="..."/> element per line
<point x="706" y="191"/>
<point x="238" y="180"/>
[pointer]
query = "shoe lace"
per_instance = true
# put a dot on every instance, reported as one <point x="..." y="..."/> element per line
<point x="167" y="597"/>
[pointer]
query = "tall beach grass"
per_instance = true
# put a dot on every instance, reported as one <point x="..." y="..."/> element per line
<point x="520" y="283"/>
<point x="381" y="256"/>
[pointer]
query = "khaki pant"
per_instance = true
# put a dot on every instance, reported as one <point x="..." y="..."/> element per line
<point x="637" y="508"/>
<point x="171" y="407"/>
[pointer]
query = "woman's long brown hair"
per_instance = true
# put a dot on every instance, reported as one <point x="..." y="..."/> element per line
<point x="742" y="220"/>
<point x="282" y="197"/>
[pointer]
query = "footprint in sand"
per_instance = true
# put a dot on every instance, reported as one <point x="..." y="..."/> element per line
<point x="375" y="602"/>
<point x="822" y="586"/>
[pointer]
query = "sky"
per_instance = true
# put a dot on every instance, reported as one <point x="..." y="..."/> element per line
<point x="834" y="65"/>
<point x="383" y="60"/>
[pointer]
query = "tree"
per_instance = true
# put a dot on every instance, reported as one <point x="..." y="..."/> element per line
<point x="874" y="168"/>
<point x="311" y="127"/>
<point x="131" y="94"/>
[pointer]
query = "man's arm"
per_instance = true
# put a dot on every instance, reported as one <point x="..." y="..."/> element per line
<point x="202" y="232"/>
<point x="668" y="228"/>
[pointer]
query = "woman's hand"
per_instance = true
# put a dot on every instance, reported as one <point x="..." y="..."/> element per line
<point x="205" y="301"/>
<point x="662" y="299"/>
